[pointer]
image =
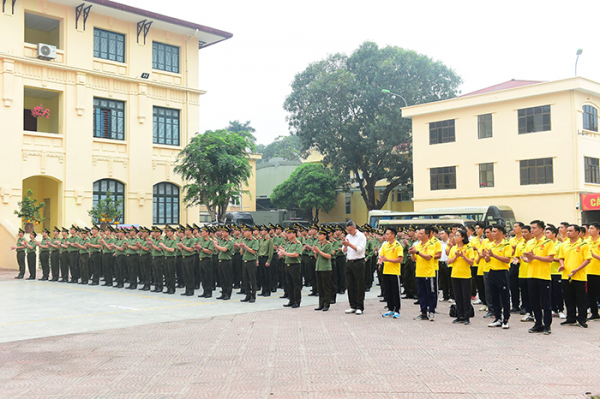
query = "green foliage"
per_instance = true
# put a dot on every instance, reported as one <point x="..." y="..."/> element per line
<point x="287" y="147"/>
<point x="29" y="209"/>
<point x="310" y="186"/>
<point x="107" y="210"/>
<point x="237" y="126"/>
<point x="337" y="108"/>
<point x="215" y="166"/>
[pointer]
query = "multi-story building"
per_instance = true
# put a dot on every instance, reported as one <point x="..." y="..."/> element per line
<point x="121" y="87"/>
<point x="533" y="146"/>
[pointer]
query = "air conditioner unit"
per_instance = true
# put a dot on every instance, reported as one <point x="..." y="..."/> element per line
<point x="46" y="51"/>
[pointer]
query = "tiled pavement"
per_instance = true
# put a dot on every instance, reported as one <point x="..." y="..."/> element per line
<point x="286" y="353"/>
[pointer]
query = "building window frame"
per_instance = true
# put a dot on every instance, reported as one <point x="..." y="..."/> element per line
<point x="486" y="175"/>
<point x="590" y="118"/>
<point x="592" y="170"/>
<point x="484" y="126"/>
<point x="165" y="57"/>
<point x="443" y="178"/>
<point x="165" y="203"/>
<point x="109" y="119"/>
<point x="536" y="171"/>
<point x="100" y="189"/>
<point x="109" y="45"/>
<point x="534" y="119"/>
<point x="166" y="126"/>
<point x="442" y="132"/>
<point x="348" y="203"/>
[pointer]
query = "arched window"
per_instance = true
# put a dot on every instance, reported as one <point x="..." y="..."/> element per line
<point x="165" y="201"/>
<point x="590" y="118"/>
<point x="117" y="191"/>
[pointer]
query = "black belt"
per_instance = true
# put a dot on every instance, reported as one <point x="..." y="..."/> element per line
<point x="355" y="260"/>
<point x="264" y="256"/>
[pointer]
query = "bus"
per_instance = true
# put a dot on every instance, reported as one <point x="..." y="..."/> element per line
<point x="500" y="215"/>
<point x="443" y="222"/>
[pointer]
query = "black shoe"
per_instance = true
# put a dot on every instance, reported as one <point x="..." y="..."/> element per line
<point x="30" y="278"/>
<point x="332" y="302"/>
<point x="382" y="300"/>
<point x="319" y="308"/>
<point x="536" y="329"/>
<point x="568" y="323"/>
<point x="582" y="324"/>
<point x="187" y="294"/>
<point x="64" y="280"/>
<point x="207" y="295"/>
<point x="171" y="292"/>
<point x="265" y="294"/>
<point x="252" y="300"/>
<point x="522" y="312"/>
<point x="54" y="279"/>
<point x="247" y="299"/>
<point x="458" y="320"/>
<point x="44" y="279"/>
<point x="84" y="282"/>
<point x="467" y="322"/>
<point x="107" y="285"/>
<point x="547" y="331"/>
<point x="167" y="292"/>
<point x="236" y="286"/>
<point x="180" y="286"/>
<point x="221" y="297"/>
<point x="594" y="317"/>
<point x="147" y="288"/>
<point x="19" y="277"/>
<point x="261" y="294"/>
<point x="295" y="306"/>
<point x="288" y="305"/>
<point x="380" y="296"/>
<point x="227" y="298"/>
<point x="515" y="310"/>
<point x="313" y="294"/>
<point x="93" y="283"/>
<point x="240" y="292"/>
<point x="273" y="289"/>
<point x="120" y="286"/>
<point x="367" y="289"/>
<point x="283" y="297"/>
<point x="416" y="303"/>
<point x="326" y="308"/>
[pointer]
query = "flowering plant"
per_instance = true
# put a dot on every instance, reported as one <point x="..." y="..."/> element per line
<point x="40" y="111"/>
<point x="29" y="209"/>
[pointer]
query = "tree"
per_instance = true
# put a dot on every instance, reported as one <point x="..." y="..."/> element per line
<point x="107" y="210"/>
<point x="310" y="187"/>
<point x="215" y="166"/>
<point x="287" y="147"/>
<point x="337" y="108"/>
<point x="237" y="127"/>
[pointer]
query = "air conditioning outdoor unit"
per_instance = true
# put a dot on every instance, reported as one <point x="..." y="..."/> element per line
<point x="46" y="51"/>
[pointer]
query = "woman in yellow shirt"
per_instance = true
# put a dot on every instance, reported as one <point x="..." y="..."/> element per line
<point x="461" y="258"/>
<point x="390" y="258"/>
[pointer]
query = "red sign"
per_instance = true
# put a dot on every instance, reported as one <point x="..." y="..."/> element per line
<point x="590" y="202"/>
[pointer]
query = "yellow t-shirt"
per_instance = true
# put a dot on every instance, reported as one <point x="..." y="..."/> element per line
<point x="502" y="249"/>
<point x="542" y="247"/>
<point x="594" y="266"/>
<point x="438" y="248"/>
<point x="425" y="268"/>
<point x="485" y="266"/>
<point x="524" y="266"/>
<point x="460" y="267"/>
<point x="556" y="264"/>
<point x="514" y="242"/>
<point x="392" y="251"/>
<point x="475" y="245"/>
<point x="574" y="255"/>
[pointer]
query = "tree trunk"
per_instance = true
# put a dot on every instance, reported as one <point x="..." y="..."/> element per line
<point x="29" y="227"/>
<point x="316" y="218"/>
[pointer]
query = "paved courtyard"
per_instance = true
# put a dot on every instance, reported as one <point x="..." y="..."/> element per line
<point x="67" y="341"/>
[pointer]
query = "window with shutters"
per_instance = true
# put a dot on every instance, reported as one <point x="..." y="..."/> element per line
<point x="165" y="57"/>
<point x="116" y="190"/>
<point x="166" y="126"/>
<point x="535" y="119"/>
<point x="590" y="118"/>
<point x="165" y="202"/>
<point x="443" y="178"/>
<point x="109" y="45"/>
<point x="109" y="119"/>
<point x="536" y="171"/>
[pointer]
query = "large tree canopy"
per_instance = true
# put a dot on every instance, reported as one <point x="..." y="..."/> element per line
<point x="286" y="147"/>
<point x="215" y="166"/>
<point x="237" y="126"/>
<point x="337" y="108"/>
<point x="310" y="187"/>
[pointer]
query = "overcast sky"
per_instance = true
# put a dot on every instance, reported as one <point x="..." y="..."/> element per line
<point x="485" y="42"/>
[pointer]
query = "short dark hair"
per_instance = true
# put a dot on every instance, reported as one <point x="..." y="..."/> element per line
<point x="552" y="229"/>
<point x="350" y="223"/>
<point x="480" y="225"/>
<point x="499" y="228"/>
<point x="521" y="224"/>
<point x="538" y="223"/>
<point x="582" y="229"/>
<point x="596" y="225"/>
<point x="528" y="228"/>
<point x="566" y="224"/>
<point x="488" y="227"/>
<point x="392" y="229"/>
<point x="575" y="227"/>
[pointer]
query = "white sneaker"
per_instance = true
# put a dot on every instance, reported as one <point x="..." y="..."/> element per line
<point x="451" y="301"/>
<point x="527" y="317"/>
<point x="358" y="311"/>
<point x="442" y="300"/>
<point x="561" y="315"/>
<point x="477" y="302"/>
<point x="431" y="316"/>
<point x="484" y="308"/>
<point x="350" y="310"/>
<point x="505" y="325"/>
<point x="554" y="314"/>
<point x="495" y="323"/>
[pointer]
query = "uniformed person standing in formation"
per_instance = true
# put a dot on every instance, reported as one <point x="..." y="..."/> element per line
<point x="323" y="253"/>
<point x="225" y="255"/>
<point x="249" y="248"/>
<point x="265" y="256"/>
<point x="291" y="252"/>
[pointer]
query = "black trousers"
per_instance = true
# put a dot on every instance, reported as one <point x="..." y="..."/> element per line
<point x="133" y="262"/>
<point x="324" y="287"/>
<point x="108" y="261"/>
<point x="444" y="280"/>
<point x="157" y="272"/>
<point x="281" y="274"/>
<point x="197" y="271"/>
<point x="65" y="261"/>
<point x="513" y="277"/>
<point x="188" y="273"/>
<point x="237" y="270"/>
<point x="21" y="262"/>
<point x="333" y="280"/>
<point x="462" y="295"/>
<point x="524" y="285"/>
<point x="593" y="290"/>
<point x="481" y="289"/>
<point x="293" y="272"/>
<point x="170" y="272"/>
<point x="45" y="262"/>
<point x="392" y="291"/>
<point x="32" y="263"/>
<point x="341" y="272"/>
<point x="84" y="266"/>
<point x="265" y="273"/>
<point x="355" y="281"/>
<point x="208" y="283"/>
<point x="541" y="301"/>
<point x="410" y="281"/>
<point x="274" y="271"/>
<point x="216" y="273"/>
<point x="575" y="300"/>
<point x="312" y="273"/>
<point x="95" y="266"/>
<point x="146" y="267"/>
<point x="558" y="302"/>
<point x="74" y="264"/>
<point x="473" y="281"/>
<point x="179" y="270"/>
<point x="499" y="290"/>
<point x="120" y="268"/>
<point x="369" y="272"/>
<point x="249" y="278"/>
<point x="225" y="271"/>
<point x="55" y="264"/>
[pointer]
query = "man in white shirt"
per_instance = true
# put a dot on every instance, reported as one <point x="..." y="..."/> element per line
<point x="353" y="245"/>
<point x="444" y="274"/>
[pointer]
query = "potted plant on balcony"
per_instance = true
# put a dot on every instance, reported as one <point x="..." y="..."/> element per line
<point x="40" y="112"/>
<point x="29" y="212"/>
<point x="106" y="211"/>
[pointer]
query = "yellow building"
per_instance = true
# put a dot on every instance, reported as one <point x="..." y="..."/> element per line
<point x="533" y="146"/>
<point x="121" y="85"/>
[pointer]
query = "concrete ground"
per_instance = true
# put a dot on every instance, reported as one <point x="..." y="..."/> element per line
<point x="72" y="341"/>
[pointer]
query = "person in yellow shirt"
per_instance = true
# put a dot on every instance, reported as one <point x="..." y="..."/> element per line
<point x="558" y="306"/>
<point x="476" y="244"/>
<point x="523" y="270"/>
<point x="485" y="271"/>
<point x="390" y="258"/>
<point x="539" y="254"/>
<point x="593" y="270"/>
<point x="574" y="256"/>
<point x="513" y="273"/>
<point x="498" y="256"/>
<point x="423" y="253"/>
<point x="461" y="258"/>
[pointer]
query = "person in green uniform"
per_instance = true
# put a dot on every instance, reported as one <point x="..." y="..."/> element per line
<point x="30" y="248"/>
<point x="369" y="252"/>
<point x="64" y="256"/>
<point x="265" y="257"/>
<point x="225" y="250"/>
<point x="197" y="271"/>
<point x="120" y="266"/>
<point x="158" y="258"/>
<point x="186" y="246"/>
<point x="108" y="256"/>
<point x="309" y="242"/>
<point x="84" y="256"/>
<point x="20" y="249"/>
<point x="55" y="253"/>
<point x="291" y="253"/>
<point x="237" y="257"/>
<point x="206" y="248"/>
<point x="95" y="251"/>
<point x="259" y="272"/>
<point x="74" y="253"/>
<point x="45" y="254"/>
<point x="169" y="245"/>
<point x="131" y="245"/>
<point x="274" y="260"/>
<point x="145" y="262"/>
<point x="179" y="235"/>
<point x="340" y="260"/>
<point x="408" y="266"/>
<point x="322" y="250"/>
<point x="249" y="248"/>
